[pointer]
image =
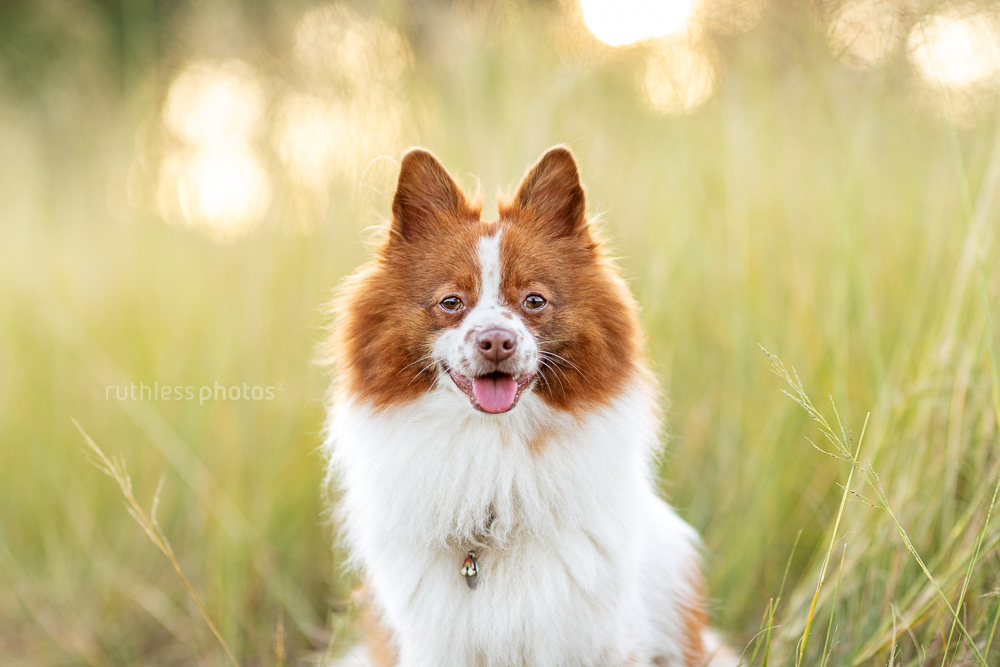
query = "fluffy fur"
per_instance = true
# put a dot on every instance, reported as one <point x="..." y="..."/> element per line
<point x="547" y="478"/>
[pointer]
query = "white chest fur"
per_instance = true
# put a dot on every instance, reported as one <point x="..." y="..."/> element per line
<point x="579" y="562"/>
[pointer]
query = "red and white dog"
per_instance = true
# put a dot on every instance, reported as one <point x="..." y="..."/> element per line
<point x="493" y="426"/>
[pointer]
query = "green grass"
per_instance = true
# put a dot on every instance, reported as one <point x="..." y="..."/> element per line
<point x="807" y="208"/>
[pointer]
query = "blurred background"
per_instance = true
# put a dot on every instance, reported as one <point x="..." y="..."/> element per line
<point x="182" y="184"/>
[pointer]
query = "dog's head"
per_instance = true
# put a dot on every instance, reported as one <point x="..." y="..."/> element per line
<point x="488" y="310"/>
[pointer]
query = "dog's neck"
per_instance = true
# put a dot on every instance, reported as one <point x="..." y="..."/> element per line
<point x="434" y="472"/>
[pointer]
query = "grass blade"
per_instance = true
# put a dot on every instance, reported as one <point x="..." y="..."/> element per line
<point x="116" y="471"/>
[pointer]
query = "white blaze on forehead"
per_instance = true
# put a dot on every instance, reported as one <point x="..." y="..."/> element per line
<point x="457" y="346"/>
<point x="489" y="269"/>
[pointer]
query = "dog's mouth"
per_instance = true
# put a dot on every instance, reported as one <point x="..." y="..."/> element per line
<point x="493" y="392"/>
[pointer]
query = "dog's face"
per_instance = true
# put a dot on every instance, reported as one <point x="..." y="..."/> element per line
<point x="485" y="345"/>
<point x="488" y="310"/>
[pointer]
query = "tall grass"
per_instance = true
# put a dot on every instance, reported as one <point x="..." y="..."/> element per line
<point x="806" y="207"/>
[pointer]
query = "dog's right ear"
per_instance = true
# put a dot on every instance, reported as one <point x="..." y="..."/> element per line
<point x="426" y="195"/>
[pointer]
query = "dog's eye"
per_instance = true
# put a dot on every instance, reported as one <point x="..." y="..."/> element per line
<point x="534" y="301"/>
<point x="451" y="303"/>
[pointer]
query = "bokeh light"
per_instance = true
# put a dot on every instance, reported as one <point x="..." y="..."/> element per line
<point x="214" y="103"/>
<point x="623" y="22"/>
<point x="679" y="76"/>
<point x="864" y="33"/>
<point x="223" y="191"/>
<point x="212" y="177"/>
<point x="956" y="57"/>
<point x="956" y="50"/>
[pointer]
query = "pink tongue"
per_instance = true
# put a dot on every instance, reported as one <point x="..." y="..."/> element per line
<point x="495" y="393"/>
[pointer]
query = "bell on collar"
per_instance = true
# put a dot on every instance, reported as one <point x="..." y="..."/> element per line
<point x="470" y="570"/>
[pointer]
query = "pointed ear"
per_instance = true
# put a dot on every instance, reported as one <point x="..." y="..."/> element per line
<point x="551" y="191"/>
<point x="425" y="195"/>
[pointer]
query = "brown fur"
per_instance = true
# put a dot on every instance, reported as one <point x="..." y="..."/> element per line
<point x="389" y="312"/>
<point x="694" y="646"/>
<point x="538" y="443"/>
<point x="695" y="623"/>
<point x="376" y="636"/>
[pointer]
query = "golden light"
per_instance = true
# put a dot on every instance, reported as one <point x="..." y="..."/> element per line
<point x="956" y="58"/>
<point x="956" y="50"/>
<point x="622" y="22"/>
<point x="214" y="103"/>
<point x="212" y="178"/>
<point x="678" y="78"/>
<point x="223" y="191"/>
<point x="865" y="32"/>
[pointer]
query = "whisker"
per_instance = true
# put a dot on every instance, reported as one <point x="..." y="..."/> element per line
<point x="555" y="360"/>
<point x="420" y="372"/>
<point x="555" y="357"/>
<point x="549" y="363"/>
<point x="555" y="373"/>
<point x="423" y="358"/>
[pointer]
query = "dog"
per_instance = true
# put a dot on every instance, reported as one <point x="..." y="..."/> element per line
<point x="493" y="426"/>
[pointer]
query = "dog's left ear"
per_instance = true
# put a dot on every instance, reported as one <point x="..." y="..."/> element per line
<point x="551" y="192"/>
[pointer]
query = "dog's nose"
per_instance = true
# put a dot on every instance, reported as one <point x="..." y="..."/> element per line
<point x="496" y="344"/>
